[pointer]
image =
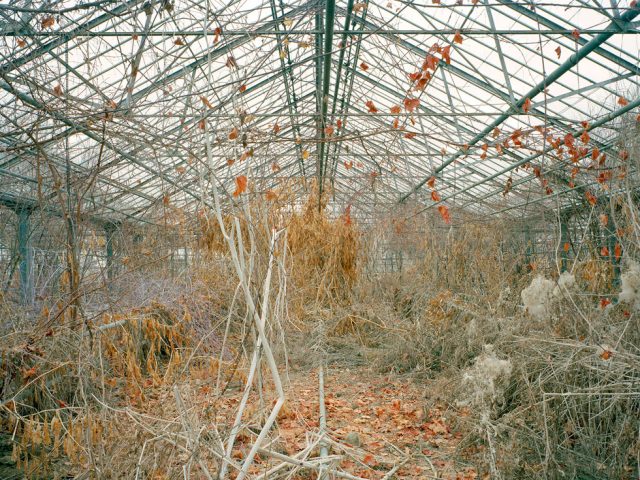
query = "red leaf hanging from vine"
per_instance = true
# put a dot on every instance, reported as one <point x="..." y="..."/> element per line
<point x="241" y="185"/>
<point x="444" y="213"/>
<point x="371" y="107"/>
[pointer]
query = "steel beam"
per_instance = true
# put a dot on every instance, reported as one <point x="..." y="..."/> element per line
<point x="289" y="86"/>
<point x="572" y="61"/>
<point x="613" y="28"/>
<point x="478" y="32"/>
<point x="66" y="36"/>
<point x="603" y="121"/>
<point x="88" y="133"/>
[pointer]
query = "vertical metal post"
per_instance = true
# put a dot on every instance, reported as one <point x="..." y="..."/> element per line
<point x="528" y="245"/>
<point x="319" y="28"/>
<point x="26" y="255"/>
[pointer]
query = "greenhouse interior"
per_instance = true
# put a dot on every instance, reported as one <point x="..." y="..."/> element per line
<point x="304" y="239"/>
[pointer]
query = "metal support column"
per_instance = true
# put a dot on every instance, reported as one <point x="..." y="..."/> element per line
<point x="25" y="254"/>
<point x="528" y="246"/>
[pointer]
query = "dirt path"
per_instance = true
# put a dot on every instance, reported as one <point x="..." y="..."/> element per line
<point x="383" y="420"/>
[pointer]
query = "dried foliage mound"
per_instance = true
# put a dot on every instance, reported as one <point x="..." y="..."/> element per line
<point x="324" y="254"/>
<point x="69" y="395"/>
<point x="541" y="369"/>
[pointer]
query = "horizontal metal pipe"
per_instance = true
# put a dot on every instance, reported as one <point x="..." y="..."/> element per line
<point x="382" y="31"/>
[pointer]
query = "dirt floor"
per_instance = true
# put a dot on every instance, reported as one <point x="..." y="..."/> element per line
<point x="387" y="413"/>
<point x="376" y="422"/>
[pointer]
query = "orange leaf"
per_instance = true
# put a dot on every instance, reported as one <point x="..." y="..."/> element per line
<point x="364" y="66"/>
<point x="328" y="130"/>
<point x="584" y="138"/>
<point x="409" y="135"/>
<point x="435" y="196"/>
<point x="242" y="88"/>
<point x="457" y="38"/>
<point x="347" y="215"/>
<point x="607" y="354"/>
<point x="575" y="34"/>
<point x="276" y="128"/>
<point x="558" y="52"/>
<point x="604" y="251"/>
<point x="370" y="460"/>
<point x="371" y="107"/>
<point x="444" y="213"/>
<point x="57" y="90"/>
<point x="206" y="102"/>
<point x="271" y="195"/>
<point x="21" y="43"/>
<point x="623" y="102"/>
<point x="410" y="104"/>
<point x="604" y="219"/>
<point x="414" y="77"/>
<point x="526" y="106"/>
<point x="395" y="109"/>
<point x="446" y="54"/>
<point x="178" y="41"/>
<point x="566" y="247"/>
<point x="591" y="198"/>
<point x="617" y="251"/>
<point x="47" y="22"/>
<point x="431" y="182"/>
<point x="233" y="134"/>
<point x="604" y="302"/>
<point x="430" y="62"/>
<point x="27" y="374"/>
<point x="241" y="185"/>
<point x="202" y="124"/>
<point x="217" y="33"/>
<point x="348" y="165"/>
<point x="569" y="140"/>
